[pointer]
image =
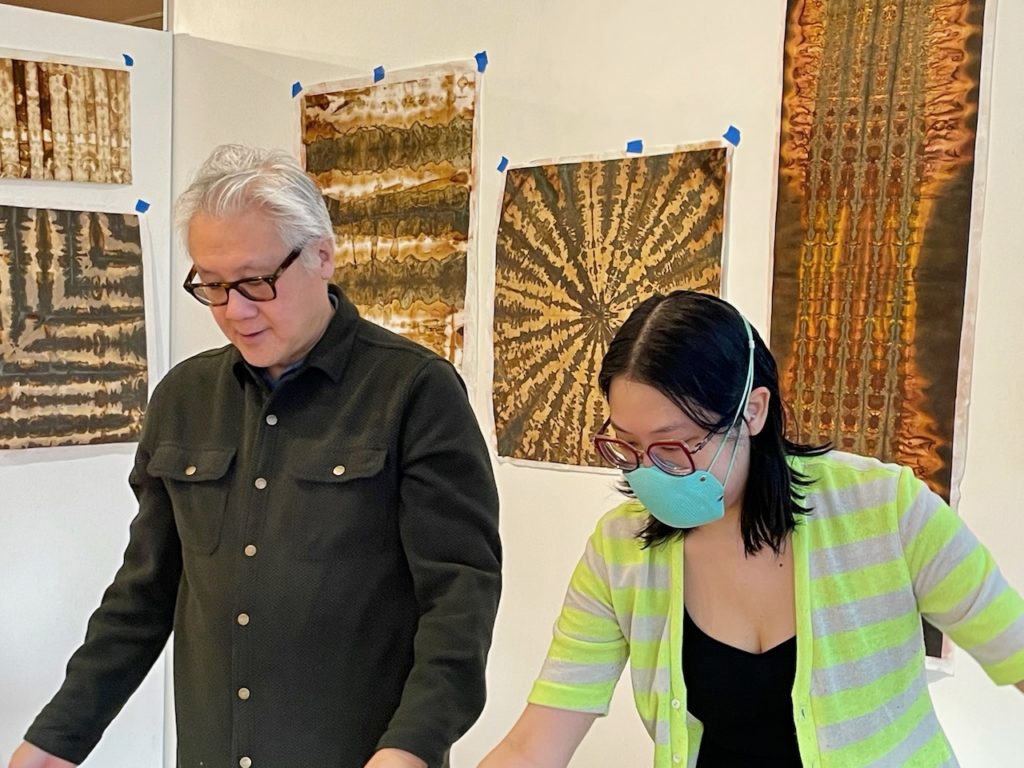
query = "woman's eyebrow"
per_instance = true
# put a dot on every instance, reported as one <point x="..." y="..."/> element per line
<point x="677" y="427"/>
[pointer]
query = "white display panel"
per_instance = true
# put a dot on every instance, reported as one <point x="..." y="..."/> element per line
<point x="64" y="512"/>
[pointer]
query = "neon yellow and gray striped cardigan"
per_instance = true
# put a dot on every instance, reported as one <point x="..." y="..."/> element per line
<point x="878" y="551"/>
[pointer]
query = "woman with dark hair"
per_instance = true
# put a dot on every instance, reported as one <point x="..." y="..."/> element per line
<point x="790" y="633"/>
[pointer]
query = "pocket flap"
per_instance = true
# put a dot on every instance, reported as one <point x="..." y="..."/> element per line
<point x="343" y="465"/>
<point x="190" y="465"/>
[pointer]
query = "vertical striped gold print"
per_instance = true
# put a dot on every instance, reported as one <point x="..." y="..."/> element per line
<point x="875" y="175"/>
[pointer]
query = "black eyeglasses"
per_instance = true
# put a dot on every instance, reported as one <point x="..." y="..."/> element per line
<point x="260" y="288"/>
<point x="670" y="456"/>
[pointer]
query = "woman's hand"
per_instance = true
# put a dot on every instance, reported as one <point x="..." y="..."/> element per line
<point x="31" y="756"/>
<point x="395" y="758"/>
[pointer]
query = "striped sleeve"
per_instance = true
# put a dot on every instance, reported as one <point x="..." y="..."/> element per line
<point x="588" y="651"/>
<point x="958" y="586"/>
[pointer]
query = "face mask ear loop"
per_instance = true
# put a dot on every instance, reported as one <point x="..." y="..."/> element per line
<point x="746" y="398"/>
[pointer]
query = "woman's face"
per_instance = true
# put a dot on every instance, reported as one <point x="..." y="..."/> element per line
<point x="641" y="415"/>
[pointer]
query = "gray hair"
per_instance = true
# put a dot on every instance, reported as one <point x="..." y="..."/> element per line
<point x="236" y="179"/>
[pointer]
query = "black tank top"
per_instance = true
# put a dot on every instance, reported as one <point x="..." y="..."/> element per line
<point x="743" y="699"/>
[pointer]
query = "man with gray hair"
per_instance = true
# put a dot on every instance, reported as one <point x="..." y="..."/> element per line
<point x="318" y="520"/>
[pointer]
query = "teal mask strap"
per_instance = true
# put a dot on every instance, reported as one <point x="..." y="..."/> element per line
<point x="743" y="402"/>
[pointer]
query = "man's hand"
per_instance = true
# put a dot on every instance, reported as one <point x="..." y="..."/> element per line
<point x="385" y="758"/>
<point x="31" y="756"/>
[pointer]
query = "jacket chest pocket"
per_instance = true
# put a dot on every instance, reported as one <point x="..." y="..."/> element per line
<point x="341" y="504"/>
<point x="197" y="481"/>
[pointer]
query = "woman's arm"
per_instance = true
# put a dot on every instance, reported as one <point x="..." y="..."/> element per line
<point x="1020" y="686"/>
<point x="958" y="585"/>
<point x="543" y="737"/>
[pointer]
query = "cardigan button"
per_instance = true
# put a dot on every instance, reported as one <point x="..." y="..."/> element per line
<point x="676" y="704"/>
<point x="245" y="762"/>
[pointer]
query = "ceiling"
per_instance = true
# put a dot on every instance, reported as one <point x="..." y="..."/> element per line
<point x="139" y="13"/>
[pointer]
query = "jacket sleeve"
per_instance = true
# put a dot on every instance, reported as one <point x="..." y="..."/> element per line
<point x="958" y="586"/>
<point x="125" y="635"/>
<point x="588" y="651"/>
<point x="448" y="523"/>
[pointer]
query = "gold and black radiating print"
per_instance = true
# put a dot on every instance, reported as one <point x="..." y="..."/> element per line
<point x="64" y="122"/>
<point x="395" y="163"/>
<point x="580" y="244"/>
<point x="72" y="328"/>
<point x="876" y="166"/>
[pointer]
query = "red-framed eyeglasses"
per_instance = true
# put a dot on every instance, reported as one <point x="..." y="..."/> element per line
<point x="670" y="456"/>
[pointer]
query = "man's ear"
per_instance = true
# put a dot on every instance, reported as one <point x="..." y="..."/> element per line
<point x="325" y="255"/>
<point x="756" y="413"/>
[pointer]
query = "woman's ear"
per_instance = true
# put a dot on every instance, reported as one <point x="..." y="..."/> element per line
<point x="756" y="412"/>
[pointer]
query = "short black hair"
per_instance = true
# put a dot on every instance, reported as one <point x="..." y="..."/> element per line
<point x="693" y="348"/>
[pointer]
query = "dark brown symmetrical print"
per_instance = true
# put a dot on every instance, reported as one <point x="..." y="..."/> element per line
<point x="72" y="328"/>
<point x="64" y="122"/>
<point x="580" y="244"/>
<point x="395" y="162"/>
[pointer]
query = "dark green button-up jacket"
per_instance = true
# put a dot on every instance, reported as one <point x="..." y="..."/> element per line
<point x="326" y="553"/>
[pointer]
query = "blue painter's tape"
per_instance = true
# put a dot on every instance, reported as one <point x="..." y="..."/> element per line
<point x="296" y="88"/>
<point x="503" y="163"/>
<point x="141" y="205"/>
<point x="481" y="61"/>
<point x="378" y="74"/>
<point x="128" y="60"/>
<point x="732" y="135"/>
<point x="636" y="146"/>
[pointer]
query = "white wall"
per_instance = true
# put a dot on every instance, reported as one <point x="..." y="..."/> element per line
<point x="573" y="78"/>
<point x="64" y="512"/>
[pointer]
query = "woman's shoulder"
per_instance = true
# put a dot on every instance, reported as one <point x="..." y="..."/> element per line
<point x="844" y="482"/>
<point x="838" y="468"/>
<point x="618" y="528"/>
<point x="625" y="515"/>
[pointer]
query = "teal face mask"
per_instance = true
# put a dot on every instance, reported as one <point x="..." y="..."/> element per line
<point x="696" y="499"/>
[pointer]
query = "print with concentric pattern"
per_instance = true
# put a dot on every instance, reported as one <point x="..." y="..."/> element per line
<point x="580" y="244"/>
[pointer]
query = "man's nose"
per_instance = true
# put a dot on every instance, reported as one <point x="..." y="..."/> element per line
<point x="238" y="307"/>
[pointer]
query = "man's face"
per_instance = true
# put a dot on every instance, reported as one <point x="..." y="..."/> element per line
<point x="268" y="334"/>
